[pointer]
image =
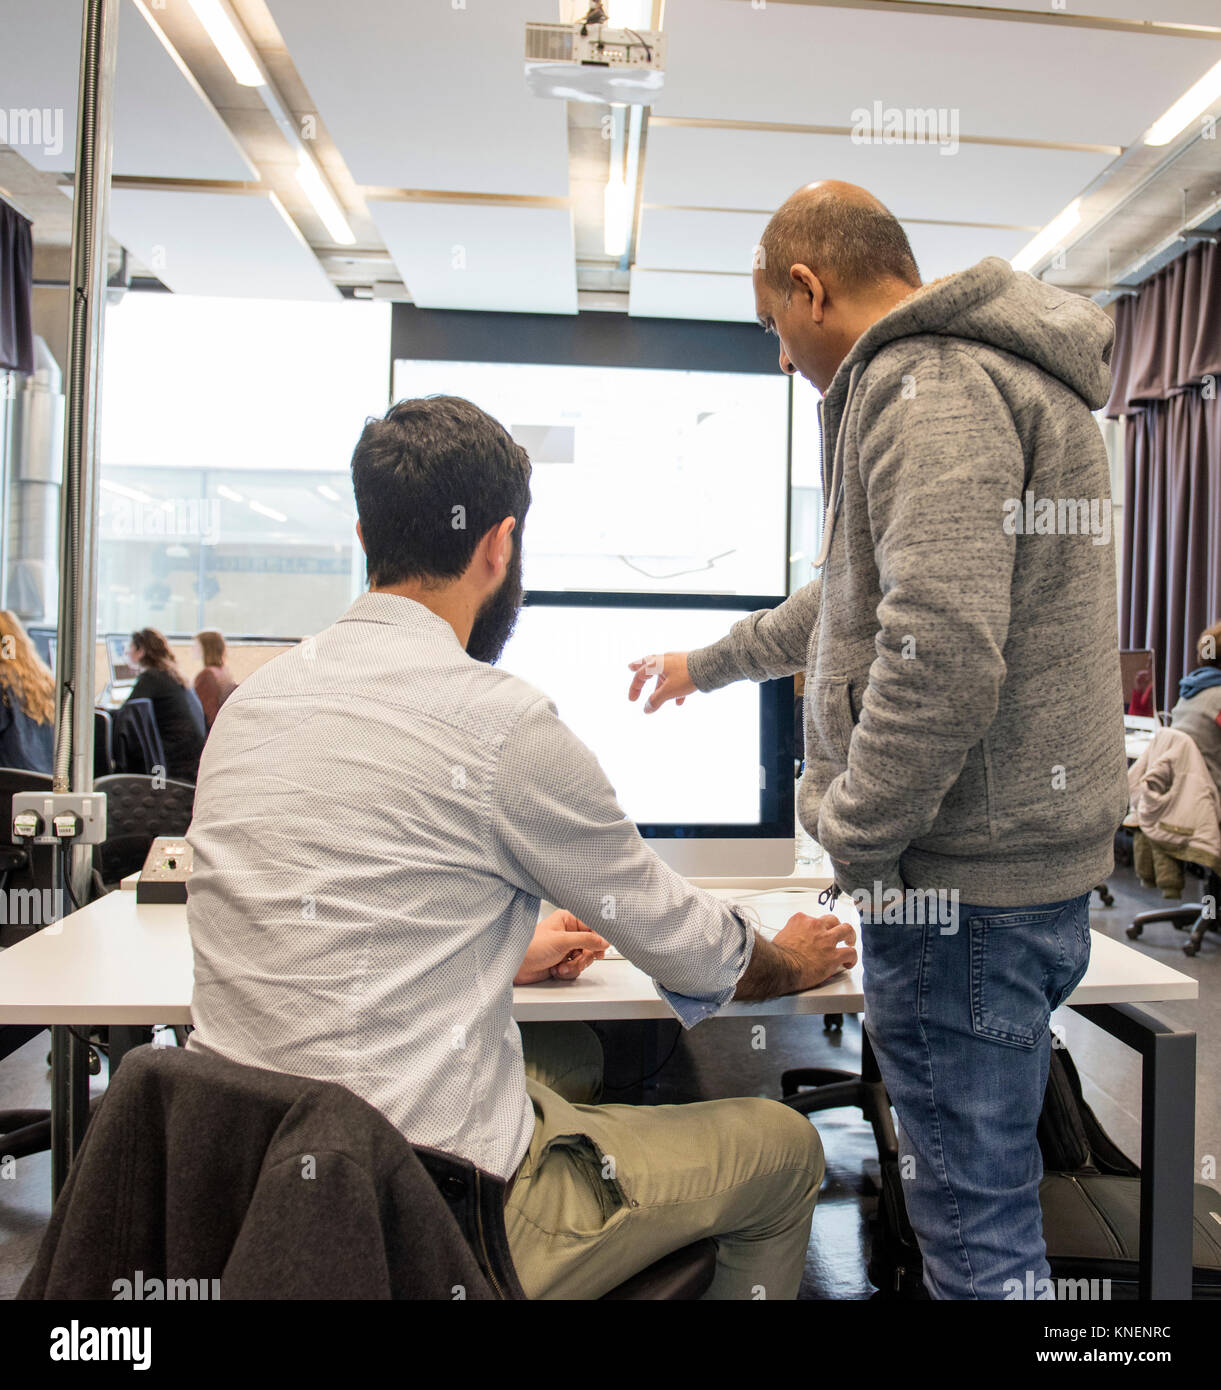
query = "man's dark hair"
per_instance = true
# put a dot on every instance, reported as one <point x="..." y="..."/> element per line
<point x="857" y="244"/>
<point x="432" y="477"/>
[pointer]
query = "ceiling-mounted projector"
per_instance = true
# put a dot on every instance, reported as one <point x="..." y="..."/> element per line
<point x="592" y="62"/>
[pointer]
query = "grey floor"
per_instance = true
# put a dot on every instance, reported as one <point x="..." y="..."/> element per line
<point x="722" y="1058"/>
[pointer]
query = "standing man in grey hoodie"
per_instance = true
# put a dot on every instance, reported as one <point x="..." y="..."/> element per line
<point x="964" y="737"/>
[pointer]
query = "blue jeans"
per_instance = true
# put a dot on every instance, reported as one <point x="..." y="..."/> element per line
<point x="958" y="1020"/>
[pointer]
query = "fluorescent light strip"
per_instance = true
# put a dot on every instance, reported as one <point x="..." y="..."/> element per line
<point x="1193" y="101"/>
<point x="616" y="211"/>
<point x="1046" y="241"/>
<point x="309" y="176"/>
<point x="131" y="493"/>
<point x="217" y="19"/>
<point x="266" y="511"/>
<point x="225" y="31"/>
<point x="229" y="493"/>
<point x="328" y="492"/>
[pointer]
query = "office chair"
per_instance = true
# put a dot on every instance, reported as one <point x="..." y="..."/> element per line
<point x="137" y="745"/>
<point x="22" y="1132"/>
<point x="103" y="743"/>
<point x="138" y="809"/>
<point x="197" y="712"/>
<point x="1197" y="918"/>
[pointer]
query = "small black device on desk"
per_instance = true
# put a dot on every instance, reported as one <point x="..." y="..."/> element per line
<point x="166" y="871"/>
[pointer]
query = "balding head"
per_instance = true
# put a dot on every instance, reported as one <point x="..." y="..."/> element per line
<point x="843" y="234"/>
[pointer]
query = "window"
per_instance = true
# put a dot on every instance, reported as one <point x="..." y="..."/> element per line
<point x="227" y="431"/>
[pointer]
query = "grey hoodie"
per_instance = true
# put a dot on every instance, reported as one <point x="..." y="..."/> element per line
<point x="963" y="703"/>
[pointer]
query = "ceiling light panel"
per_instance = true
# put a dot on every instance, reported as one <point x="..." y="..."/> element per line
<point x="164" y="127"/>
<point x="429" y="96"/>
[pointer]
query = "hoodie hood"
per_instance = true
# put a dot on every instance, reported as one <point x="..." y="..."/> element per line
<point x="1062" y="333"/>
<point x="1202" y="678"/>
<point x="1067" y="336"/>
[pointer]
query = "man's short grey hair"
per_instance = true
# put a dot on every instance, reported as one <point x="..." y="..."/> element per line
<point x="854" y="244"/>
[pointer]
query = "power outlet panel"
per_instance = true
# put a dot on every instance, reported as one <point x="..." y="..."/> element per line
<point x="89" y="808"/>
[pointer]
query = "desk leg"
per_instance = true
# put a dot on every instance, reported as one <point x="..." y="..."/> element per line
<point x="69" y="1101"/>
<point x="1167" y="1144"/>
<point x="122" y="1039"/>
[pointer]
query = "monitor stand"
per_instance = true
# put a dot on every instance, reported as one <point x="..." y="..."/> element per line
<point x="697" y="857"/>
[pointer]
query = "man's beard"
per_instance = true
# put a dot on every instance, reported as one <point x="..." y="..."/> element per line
<point x="495" y="621"/>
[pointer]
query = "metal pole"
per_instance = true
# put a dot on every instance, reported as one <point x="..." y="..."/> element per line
<point x="79" y="504"/>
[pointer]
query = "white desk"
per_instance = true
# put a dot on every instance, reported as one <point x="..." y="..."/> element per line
<point x="123" y="964"/>
<point x="119" y="962"/>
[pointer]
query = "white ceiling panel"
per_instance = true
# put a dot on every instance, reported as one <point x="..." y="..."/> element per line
<point x="231" y="244"/>
<point x="943" y="250"/>
<point x="665" y="294"/>
<point x="690" y="239"/>
<point x="430" y="96"/>
<point x="1203" y="12"/>
<point x="723" y="243"/>
<point x="809" y="65"/>
<point x="164" y="127"/>
<point x="482" y="256"/>
<point x="690" y="166"/>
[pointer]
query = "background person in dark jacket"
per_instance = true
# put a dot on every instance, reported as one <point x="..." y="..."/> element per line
<point x="27" y="701"/>
<point x="179" y="720"/>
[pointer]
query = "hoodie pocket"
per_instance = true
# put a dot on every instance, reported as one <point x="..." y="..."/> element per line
<point x="832" y="720"/>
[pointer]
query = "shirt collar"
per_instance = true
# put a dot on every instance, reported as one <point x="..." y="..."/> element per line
<point x="397" y="610"/>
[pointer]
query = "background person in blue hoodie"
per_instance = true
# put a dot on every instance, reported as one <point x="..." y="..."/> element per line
<point x="963" y="701"/>
<point x="1198" y="711"/>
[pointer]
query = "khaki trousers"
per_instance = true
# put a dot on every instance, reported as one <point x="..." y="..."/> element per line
<point x="605" y="1190"/>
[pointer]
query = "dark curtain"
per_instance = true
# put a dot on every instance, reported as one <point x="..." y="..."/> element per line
<point x="1165" y="378"/>
<point x="16" y="291"/>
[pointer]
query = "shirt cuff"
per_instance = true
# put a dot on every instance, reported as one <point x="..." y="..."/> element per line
<point x="690" y="1010"/>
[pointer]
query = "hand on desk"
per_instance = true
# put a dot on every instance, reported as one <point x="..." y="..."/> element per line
<point x="562" y="947"/>
<point x="805" y="953"/>
<point x="673" y="682"/>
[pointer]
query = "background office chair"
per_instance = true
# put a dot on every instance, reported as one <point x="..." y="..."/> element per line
<point x="22" y="1132"/>
<point x="197" y="712"/>
<point x="136" y="739"/>
<point x="103" y="743"/>
<point x="138" y="809"/>
<point x="1196" y="918"/>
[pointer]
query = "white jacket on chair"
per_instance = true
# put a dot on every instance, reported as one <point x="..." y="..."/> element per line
<point x="1174" y="799"/>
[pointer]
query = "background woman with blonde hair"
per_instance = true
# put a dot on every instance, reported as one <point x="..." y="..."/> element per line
<point x="27" y="701"/>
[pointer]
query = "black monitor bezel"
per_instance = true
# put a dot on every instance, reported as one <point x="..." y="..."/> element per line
<point x="776" y="808"/>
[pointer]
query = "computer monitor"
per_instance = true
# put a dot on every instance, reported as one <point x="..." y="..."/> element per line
<point x="52" y="651"/>
<point x="708" y="784"/>
<point x="1138" y="671"/>
<point x="122" y="672"/>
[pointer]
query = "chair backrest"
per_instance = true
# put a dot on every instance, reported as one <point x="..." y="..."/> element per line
<point x="103" y="744"/>
<point x="137" y="745"/>
<point x="197" y="712"/>
<point x="31" y="871"/>
<point x="138" y="809"/>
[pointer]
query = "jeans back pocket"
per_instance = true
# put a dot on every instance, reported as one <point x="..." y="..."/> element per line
<point x="1024" y="964"/>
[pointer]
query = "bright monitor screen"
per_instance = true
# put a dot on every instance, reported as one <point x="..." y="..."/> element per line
<point x="720" y="764"/>
<point x="651" y="480"/>
<point x="122" y="671"/>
